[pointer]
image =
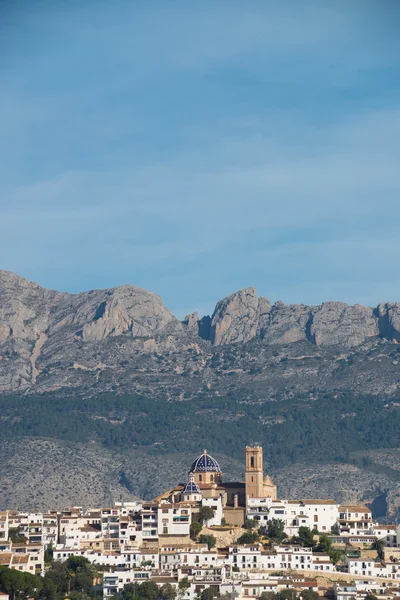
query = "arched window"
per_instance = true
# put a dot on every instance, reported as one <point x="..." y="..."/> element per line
<point x="200" y="478"/>
<point x="211" y="477"/>
<point x="252" y="462"/>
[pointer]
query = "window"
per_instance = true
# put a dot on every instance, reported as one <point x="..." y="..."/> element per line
<point x="200" y="478"/>
<point x="252" y="462"/>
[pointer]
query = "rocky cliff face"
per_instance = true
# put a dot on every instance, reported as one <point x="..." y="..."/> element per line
<point x="241" y="317"/>
<point x="116" y="368"/>
<point x="36" y="322"/>
<point x="42" y="329"/>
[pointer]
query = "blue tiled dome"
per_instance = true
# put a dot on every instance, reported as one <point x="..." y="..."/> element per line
<point x="205" y="464"/>
<point x="191" y="487"/>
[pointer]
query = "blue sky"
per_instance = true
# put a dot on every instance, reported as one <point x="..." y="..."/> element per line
<point x="195" y="148"/>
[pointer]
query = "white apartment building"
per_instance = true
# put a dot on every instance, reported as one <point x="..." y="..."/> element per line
<point x="388" y="533"/>
<point x="149" y="518"/>
<point x="216" y="505"/>
<point x="373" y="568"/>
<point x="3" y="526"/>
<point x="173" y="519"/>
<point x="251" y="557"/>
<point x="354" y="520"/>
<point x="114" y="583"/>
<point x="187" y="557"/>
<point x="315" y="514"/>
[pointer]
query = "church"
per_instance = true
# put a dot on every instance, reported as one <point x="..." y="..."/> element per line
<point x="205" y="487"/>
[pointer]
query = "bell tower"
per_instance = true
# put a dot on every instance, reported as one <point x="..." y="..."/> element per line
<point x="254" y="472"/>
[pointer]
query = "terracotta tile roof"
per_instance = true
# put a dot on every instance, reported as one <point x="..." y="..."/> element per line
<point x="353" y="508"/>
<point x="319" y="501"/>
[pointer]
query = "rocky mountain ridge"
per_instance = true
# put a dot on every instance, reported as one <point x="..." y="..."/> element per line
<point x="38" y="325"/>
<point x="115" y="370"/>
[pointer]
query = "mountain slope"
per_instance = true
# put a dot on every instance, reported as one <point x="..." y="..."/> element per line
<point x="116" y="368"/>
<point x="44" y="334"/>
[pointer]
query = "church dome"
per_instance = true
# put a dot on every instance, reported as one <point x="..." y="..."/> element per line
<point x="191" y="487"/>
<point x="205" y="464"/>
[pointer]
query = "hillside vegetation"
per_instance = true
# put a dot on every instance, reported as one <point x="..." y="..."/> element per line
<point x="113" y="380"/>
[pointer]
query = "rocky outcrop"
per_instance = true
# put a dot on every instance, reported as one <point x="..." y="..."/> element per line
<point x="36" y="323"/>
<point x="242" y="316"/>
<point x="24" y="308"/>
<point x="235" y="318"/>
<point x="338" y="323"/>
<point x="41" y="329"/>
<point x="127" y="309"/>
<point x="286" y="324"/>
<point x="192" y="321"/>
<point x="389" y="320"/>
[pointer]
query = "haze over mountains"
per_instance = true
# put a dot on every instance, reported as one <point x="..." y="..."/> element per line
<point x="114" y="378"/>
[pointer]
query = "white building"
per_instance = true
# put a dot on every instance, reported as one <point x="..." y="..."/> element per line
<point x="173" y="519"/>
<point x="216" y="505"/>
<point x="314" y="514"/>
<point x="373" y="568"/>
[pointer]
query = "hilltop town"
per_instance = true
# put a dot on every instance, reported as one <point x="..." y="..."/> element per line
<point x="203" y="538"/>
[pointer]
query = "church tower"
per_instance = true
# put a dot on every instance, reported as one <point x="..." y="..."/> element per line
<point x="257" y="486"/>
<point x="254" y="472"/>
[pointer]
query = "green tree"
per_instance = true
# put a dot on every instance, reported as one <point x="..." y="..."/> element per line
<point x="56" y="578"/>
<point x="370" y="597"/>
<point x="147" y="590"/>
<point x="79" y="596"/>
<point x="336" y="555"/>
<point x="309" y="595"/>
<point x="306" y="537"/>
<point x="49" y="589"/>
<point x="289" y="594"/>
<point x="210" y="540"/>
<point x="183" y="587"/>
<point x="48" y="554"/>
<point x="379" y="546"/>
<point x="209" y="593"/>
<point x="251" y="523"/>
<point x="205" y="514"/>
<point x="81" y="574"/>
<point x="324" y="543"/>
<point x="275" y="529"/>
<point x="195" y="529"/>
<point x="15" y="536"/>
<point x="19" y="585"/>
<point x="130" y="591"/>
<point x="248" y="537"/>
<point x="268" y="596"/>
<point x="167" y="592"/>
